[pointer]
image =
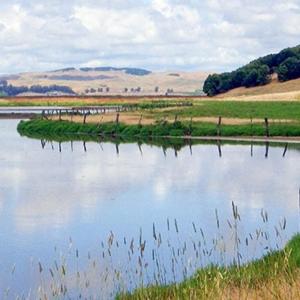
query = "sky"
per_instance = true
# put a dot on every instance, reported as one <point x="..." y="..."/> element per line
<point x="160" y="35"/>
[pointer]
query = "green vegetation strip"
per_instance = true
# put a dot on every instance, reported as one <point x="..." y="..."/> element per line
<point x="161" y="129"/>
<point x="280" y="110"/>
<point x="210" y="282"/>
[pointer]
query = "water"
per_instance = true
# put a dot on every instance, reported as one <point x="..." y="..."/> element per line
<point x="53" y="202"/>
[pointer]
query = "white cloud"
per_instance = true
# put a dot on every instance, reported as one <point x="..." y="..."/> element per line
<point x="157" y="34"/>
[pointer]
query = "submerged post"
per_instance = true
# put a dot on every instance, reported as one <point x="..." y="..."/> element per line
<point x="267" y="149"/>
<point x="285" y="150"/>
<point x="219" y="148"/>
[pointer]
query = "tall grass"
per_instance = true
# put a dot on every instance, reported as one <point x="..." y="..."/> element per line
<point x="160" y="129"/>
<point x="174" y="262"/>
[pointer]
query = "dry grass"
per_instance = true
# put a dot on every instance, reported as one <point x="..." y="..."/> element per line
<point x="131" y="118"/>
<point x="186" y="82"/>
<point x="126" y="118"/>
<point x="289" y="90"/>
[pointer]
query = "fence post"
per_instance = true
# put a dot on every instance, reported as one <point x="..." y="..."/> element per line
<point x="219" y="126"/>
<point x="267" y="127"/>
<point x="140" y="120"/>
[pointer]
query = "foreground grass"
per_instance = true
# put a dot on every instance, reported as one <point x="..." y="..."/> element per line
<point x="160" y="129"/>
<point x="275" y="276"/>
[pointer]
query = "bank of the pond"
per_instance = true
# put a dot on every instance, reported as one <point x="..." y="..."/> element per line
<point x="275" y="276"/>
<point x="163" y="129"/>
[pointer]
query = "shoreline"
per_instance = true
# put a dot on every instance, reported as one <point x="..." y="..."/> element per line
<point x="161" y="131"/>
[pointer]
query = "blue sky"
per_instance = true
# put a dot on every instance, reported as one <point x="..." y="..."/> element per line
<point x="155" y="34"/>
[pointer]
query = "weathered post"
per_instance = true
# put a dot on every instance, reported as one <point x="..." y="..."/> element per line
<point x="191" y="126"/>
<point x="84" y="118"/>
<point x="219" y="126"/>
<point x="60" y="115"/>
<point x="267" y="127"/>
<point x="117" y="118"/>
<point x="140" y="120"/>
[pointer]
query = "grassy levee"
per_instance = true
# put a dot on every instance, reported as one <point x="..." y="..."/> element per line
<point x="275" y="276"/>
<point x="159" y="129"/>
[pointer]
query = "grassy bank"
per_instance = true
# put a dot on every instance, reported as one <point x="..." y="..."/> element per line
<point x="159" y="129"/>
<point x="284" y="110"/>
<point x="275" y="276"/>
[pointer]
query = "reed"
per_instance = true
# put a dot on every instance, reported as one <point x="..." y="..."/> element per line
<point x="176" y="261"/>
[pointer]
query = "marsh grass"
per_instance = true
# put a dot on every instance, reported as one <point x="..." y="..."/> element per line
<point x="160" y="129"/>
<point x="175" y="261"/>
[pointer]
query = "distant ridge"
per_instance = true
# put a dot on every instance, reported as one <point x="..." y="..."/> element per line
<point x="107" y="80"/>
<point x="131" y="71"/>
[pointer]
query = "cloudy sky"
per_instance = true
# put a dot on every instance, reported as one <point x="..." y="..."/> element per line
<point x="156" y="34"/>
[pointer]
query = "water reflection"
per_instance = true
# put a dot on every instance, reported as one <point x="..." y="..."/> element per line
<point x="52" y="190"/>
<point x="176" y="148"/>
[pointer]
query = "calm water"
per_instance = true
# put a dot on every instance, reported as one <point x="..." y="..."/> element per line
<point x="59" y="206"/>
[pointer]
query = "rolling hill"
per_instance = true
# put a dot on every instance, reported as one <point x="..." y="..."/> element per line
<point x="114" y="81"/>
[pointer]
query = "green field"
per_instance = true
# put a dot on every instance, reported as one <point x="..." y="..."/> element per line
<point x="239" y="109"/>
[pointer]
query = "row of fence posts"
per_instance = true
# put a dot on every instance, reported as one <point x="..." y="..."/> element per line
<point x="218" y="144"/>
<point x="86" y="113"/>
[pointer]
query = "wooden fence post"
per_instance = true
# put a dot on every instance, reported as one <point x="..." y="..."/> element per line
<point x="117" y="118"/>
<point x="140" y="120"/>
<point x="219" y="126"/>
<point x="267" y="127"/>
<point x="191" y="126"/>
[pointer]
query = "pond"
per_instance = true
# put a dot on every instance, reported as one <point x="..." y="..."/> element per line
<point x="93" y="219"/>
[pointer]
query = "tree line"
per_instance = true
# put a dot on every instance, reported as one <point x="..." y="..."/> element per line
<point x="10" y="90"/>
<point x="286" y="64"/>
